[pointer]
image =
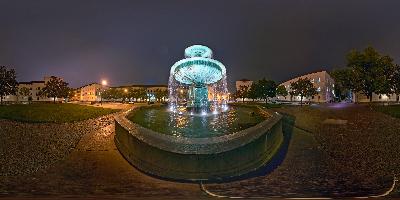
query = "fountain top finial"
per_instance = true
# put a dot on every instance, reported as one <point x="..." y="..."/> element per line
<point x="198" y="51"/>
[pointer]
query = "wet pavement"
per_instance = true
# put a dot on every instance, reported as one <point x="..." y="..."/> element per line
<point x="323" y="160"/>
<point x="94" y="168"/>
<point x="356" y="158"/>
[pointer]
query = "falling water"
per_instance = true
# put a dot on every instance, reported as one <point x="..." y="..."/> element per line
<point x="197" y="84"/>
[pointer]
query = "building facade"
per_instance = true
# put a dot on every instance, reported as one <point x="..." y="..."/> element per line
<point x="362" y="98"/>
<point x="321" y="80"/>
<point x="35" y="88"/>
<point x="150" y="90"/>
<point x="243" y="83"/>
<point x="91" y="92"/>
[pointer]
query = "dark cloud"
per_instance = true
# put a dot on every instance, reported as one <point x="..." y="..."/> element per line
<point x="137" y="41"/>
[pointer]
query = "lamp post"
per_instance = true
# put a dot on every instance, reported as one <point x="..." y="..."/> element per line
<point x="103" y="84"/>
<point x="126" y="92"/>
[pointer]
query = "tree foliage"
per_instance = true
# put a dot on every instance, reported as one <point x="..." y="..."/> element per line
<point x="303" y="88"/>
<point x="56" y="88"/>
<point x="281" y="91"/>
<point x="8" y="82"/>
<point x="343" y="82"/>
<point x="396" y="81"/>
<point x="265" y="89"/>
<point x="243" y="92"/>
<point x="24" y="92"/>
<point x="371" y="72"/>
<point x="161" y="94"/>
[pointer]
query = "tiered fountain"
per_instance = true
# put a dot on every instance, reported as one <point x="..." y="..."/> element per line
<point x="205" y="81"/>
<point x="198" y="137"/>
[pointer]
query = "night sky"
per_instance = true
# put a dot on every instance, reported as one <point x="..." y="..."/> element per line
<point x="136" y="42"/>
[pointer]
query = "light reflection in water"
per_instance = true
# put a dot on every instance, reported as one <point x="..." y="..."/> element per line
<point x="162" y="120"/>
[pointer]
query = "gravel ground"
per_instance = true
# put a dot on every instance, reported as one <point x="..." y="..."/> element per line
<point x="92" y="167"/>
<point x="26" y="148"/>
<point x="353" y="158"/>
<point x="357" y="158"/>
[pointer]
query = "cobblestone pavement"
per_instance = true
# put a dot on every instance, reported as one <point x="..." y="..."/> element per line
<point x="325" y="160"/>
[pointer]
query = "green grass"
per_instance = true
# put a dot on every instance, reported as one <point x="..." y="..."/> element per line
<point x="392" y="110"/>
<point x="57" y="113"/>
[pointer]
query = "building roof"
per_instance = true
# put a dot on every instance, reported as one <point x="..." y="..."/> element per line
<point x="139" y="85"/>
<point x="30" y="82"/>
<point x="323" y="71"/>
<point x="88" y="85"/>
<point x="244" y="80"/>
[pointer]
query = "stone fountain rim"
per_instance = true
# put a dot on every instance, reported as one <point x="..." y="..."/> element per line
<point x="207" y="145"/>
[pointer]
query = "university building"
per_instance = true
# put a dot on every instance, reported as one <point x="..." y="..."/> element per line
<point x="243" y="83"/>
<point x="34" y="92"/>
<point x="90" y="92"/>
<point x="321" y="80"/>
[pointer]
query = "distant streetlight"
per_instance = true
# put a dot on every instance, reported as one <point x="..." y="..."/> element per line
<point x="125" y="90"/>
<point x="103" y="83"/>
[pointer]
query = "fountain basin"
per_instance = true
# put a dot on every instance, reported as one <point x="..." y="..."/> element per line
<point x="194" y="159"/>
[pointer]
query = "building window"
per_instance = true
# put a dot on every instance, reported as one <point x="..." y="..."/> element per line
<point x="319" y="89"/>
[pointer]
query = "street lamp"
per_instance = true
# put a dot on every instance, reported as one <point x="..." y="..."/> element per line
<point x="103" y="84"/>
<point x="125" y="96"/>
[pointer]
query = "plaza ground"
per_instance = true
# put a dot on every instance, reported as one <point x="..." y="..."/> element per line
<point x="51" y="112"/>
<point x="334" y="150"/>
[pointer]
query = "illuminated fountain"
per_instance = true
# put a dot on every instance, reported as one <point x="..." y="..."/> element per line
<point x="198" y="137"/>
<point x="198" y="83"/>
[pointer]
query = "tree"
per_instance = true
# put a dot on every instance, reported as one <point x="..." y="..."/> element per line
<point x="265" y="89"/>
<point x="24" y="92"/>
<point x="281" y="91"/>
<point x="371" y="72"/>
<point x="396" y="81"/>
<point x="71" y="94"/>
<point x="113" y="93"/>
<point x="8" y="82"/>
<point x="160" y="94"/>
<point x="344" y="82"/>
<point x="107" y="94"/>
<point x="243" y="92"/>
<point x="56" y="88"/>
<point x="303" y="88"/>
<point x="252" y="93"/>
<point x="142" y="94"/>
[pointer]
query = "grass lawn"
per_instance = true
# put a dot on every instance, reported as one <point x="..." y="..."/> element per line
<point x="393" y="110"/>
<point x="49" y="112"/>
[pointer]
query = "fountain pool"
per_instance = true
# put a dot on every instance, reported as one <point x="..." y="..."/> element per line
<point x="198" y="136"/>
